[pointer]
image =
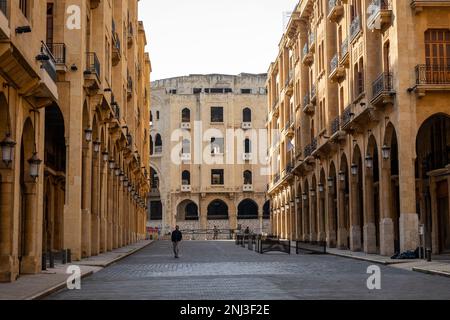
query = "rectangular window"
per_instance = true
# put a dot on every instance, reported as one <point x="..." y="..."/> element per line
<point x="217" y="145"/>
<point x="217" y="177"/>
<point x="216" y="114"/>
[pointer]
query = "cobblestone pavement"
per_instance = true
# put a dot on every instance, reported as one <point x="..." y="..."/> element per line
<point x="222" y="270"/>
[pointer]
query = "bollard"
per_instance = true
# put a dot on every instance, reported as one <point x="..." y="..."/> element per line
<point x="428" y="254"/>
<point x="63" y="256"/>
<point x="69" y="256"/>
<point x="44" y="261"/>
<point x="52" y="259"/>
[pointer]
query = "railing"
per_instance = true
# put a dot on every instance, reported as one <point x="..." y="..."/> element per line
<point x="310" y="148"/>
<point x="432" y="74"/>
<point x="92" y="64"/>
<point x="4" y="7"/>
<point x="355" y="27"/>
<point x="382" y="84"/>
<point x="130" y="84"/>
<point x="158" y="149"/>
<point x="347" y="115"/>
<point x="289" y="167"/>
<point x="306" y="100"/>
<point x="344" y="48"/>
<point x="312" y="38"/>
<point x="334" y="63"/>
<point x="313" y="91"/>
<point x="49" y="64"/>
<point x="58" y="51"/>
<point x="305" y="50"/>
<point x="331" y="5"/>
<point x="276" y="178"/>
<point x="335" y="125"/>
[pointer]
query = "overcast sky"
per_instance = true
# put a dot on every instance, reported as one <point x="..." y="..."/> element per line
<point x="212" y="36"/>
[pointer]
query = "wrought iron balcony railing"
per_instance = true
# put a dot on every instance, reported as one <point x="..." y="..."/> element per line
<point x="4" y="7"/>
<point x="58" y="51"/>
<point x="92" y="64"/>
<point x="310" y="148"/>
<point x="347" y="115"/>
<point x="383" y="84"/>
<point x="305" y="50"/>
<point x="334" y="63"/>
<point x="335" y="125"/>
<point x="48" y="60"/>
<point x="306" y="100"/>
<point x="355" y="27"/>
<point x="433" y="74"/>
<point x="344" y="48"/>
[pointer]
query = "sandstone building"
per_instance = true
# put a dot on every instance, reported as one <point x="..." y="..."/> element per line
<point x="201" y="175"/>
<point x="361" y="88"/>
<point x="74" y="124"/>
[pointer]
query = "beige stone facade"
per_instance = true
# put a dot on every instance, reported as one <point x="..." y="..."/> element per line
<point x="74" y="105"/>
<point x="362" y="89"/>
<point x="182" y="160"/>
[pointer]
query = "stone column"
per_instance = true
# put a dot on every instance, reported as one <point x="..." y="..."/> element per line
<point x="322" y="234"/>
<point x="355" y="224"/>
<point x="95" y="205"/>
<point x="386" y="223"/>
<point x="86" y="203"/>
<point x="370" y="243"/>
<point x="331" y="227"/>
<point x="30" y="262"/>
<point x="103" y="206"/>
<point x="313" y="217"/>
<point x="110" y="210"/>
<point x="8" y="258"/>
<point x="342" y="227"/>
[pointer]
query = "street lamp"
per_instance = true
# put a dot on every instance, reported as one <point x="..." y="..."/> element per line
<point x="105" y="155"/>
<point x="7" y="146"/>
<point x="369" y="161"/>
<point x="88" y="134"/>
<point x="321" y="189"/>
<point x="34" y="162"/>
<point x="97" y="144"/>
<point x="117" y="171"/>
<point x="297" y="199"/>
<point x="125" y="182"/>
<point x="342" y="175"/>
<point x="112" y="164"/>
<point x="305" y="196"/>
<point x="386" y="151"/>
<point x="313" y="192"/>
<point x="330" y="182"/>
<point x="354" y="169"/>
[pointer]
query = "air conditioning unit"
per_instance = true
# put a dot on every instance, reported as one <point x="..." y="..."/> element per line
<point x="185" y="157"/>
<point x="186" y="188"/>
<point x="186" y="125"/>
<point x="247" y="156"/>
<point x="246" y="125"/>
<point x="247" y="187"/>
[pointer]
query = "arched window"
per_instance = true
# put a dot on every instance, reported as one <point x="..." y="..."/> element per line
<point x="247" y="115"/>
<point x="191" y="212"/>
<point x="186" y="178"/>
<point x="157" y="115"/>
<point x="217" y="210"/>
<point x="247" y="146"/>
<point x="186" y="148"/>
<point x="247" y="177"/>
<point x="185" y="115"/>
<point x="158" y="144"/>
<point x="247" y="209"/>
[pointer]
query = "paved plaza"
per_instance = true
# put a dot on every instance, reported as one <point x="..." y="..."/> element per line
<point x="221" y="270"/>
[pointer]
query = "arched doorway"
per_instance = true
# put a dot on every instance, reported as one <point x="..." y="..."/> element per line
<point x="432" y="176"/>
<point x="217" y="210"/>
<point x="372" y="187"/>
<point x="357" y="219"/>
<point x="322" y="223"/>
<point x="187" y="210"/>
<point x="313" y="209"/>
<point x="55" y="180"/>
<point x="27" y="250"/>
<point x="247" y="209"/>
<point x="332" y="207"/>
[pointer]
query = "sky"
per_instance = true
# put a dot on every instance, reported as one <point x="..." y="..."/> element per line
<point x="212" y="36"/>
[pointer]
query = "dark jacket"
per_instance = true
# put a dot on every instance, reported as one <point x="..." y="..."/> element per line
<point x="176" y="236"/>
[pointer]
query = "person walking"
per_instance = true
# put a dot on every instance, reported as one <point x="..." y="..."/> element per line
<point x="177" y="236"/>
<point x="216" y="232"/>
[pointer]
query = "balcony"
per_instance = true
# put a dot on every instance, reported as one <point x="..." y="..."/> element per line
<point x="312" y="42"/>
<point x="313" y="94"/>
<point x="344" y="57"/>
<point x="335" y="126"/>
<point x="4" y="7"/>
<point x="92" y="73"/>
<point x="382" y="90"/>
<point x="58" y="51"/>
<point x="337" y="73"/>
<point x="116" y="108"/>
<point x="186" y="188"/>
<point x="432" y="78"/>
<point x="247" y="188"/>
<point x="379" y="15"/>
<point x="355" y="28"/>
<point x="5" y="31"/>
<point x="335" y="10"/>
<point x="290" y="83"/>
<point x="275" y="108"/>
<point x="310" y="148"/>
<point x="288" y="129"/>
<point x="347" y="116"/>
<point x="358" y="116"/>
<point x="308" y="107"/>
<point x="185" y="125"/>
<point x="48" y="61"/>
<point x="307" y="56"/>
<point x="246" y="125"/>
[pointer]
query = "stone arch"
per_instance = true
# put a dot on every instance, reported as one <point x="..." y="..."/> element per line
<point x="306" y="208"/>
<point x="358" y="218"/>
<point x="321" y="195"/>
<point x="217" y="209"/>
<point x="187" y="210"/>
<point x="247" y="209"/>
<point x="247" y="115"/>
<point x="344" y="203"/>
<point x="331" y="187"/>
